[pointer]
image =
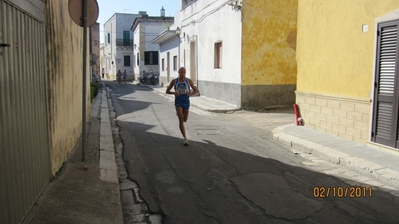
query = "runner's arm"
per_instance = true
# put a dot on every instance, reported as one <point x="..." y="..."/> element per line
<point x="193" y="87"/>
<point x="172" y="83"/>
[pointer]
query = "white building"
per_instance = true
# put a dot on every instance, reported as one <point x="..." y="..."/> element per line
<point x="169" y="42"/>
<point x="145" y="29"/>
<point x="101" y="60"/>
<point x="118" y="45"/>
<point x="210" y="47"/>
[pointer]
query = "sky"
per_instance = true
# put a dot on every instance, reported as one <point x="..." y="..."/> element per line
<point x="108" y="8"/>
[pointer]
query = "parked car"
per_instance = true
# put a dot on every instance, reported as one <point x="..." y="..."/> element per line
<point x="94" y="78"/>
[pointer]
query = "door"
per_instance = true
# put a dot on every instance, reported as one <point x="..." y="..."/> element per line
<point x="385" y="104"/>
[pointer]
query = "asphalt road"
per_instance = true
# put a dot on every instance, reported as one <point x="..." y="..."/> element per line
<point x="233" y="171"/>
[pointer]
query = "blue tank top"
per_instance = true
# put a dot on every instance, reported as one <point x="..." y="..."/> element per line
<point x="182" y="88"/>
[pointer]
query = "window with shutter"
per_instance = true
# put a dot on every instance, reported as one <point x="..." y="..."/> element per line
<point x="151" y="58"/>
<point x="385" y="107"/>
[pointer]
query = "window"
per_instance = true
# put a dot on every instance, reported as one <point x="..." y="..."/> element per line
<point x="163" y="64"/>
<point x="138" y="59"/>
<point x="385" y="129"/>
<point x="109" y="38"/>
<point x="126" y="60"/>
<point x="218" y="55"/>
<point x="174" y="63"/>
<point x="126" y="38"/>
<point x="151" y="58"/>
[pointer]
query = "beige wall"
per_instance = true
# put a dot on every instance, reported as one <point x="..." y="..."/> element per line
<point x="64" y="62"/>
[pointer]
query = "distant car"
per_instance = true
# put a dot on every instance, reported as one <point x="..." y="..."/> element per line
<point x="94" y="78"/>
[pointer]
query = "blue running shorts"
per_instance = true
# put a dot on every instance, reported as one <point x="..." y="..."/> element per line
<point x="184" y="103"/>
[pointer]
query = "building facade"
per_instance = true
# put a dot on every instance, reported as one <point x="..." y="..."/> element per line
<point x="347" y="74"/>
<point x="145" y="29"/>
<point x="169" y="44"/>
<point x="95" y="48"/>
<point x="247" y="57"/>
<point x="118" y="45"/>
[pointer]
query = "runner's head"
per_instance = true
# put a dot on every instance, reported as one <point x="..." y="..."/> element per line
<point x="182" y="72"/>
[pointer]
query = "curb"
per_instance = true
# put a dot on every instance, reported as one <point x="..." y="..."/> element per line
<point x="376" y="171"/>
<point x="108" y="167"/>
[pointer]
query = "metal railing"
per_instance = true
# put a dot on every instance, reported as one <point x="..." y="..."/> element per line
<point x="124" y="42"/>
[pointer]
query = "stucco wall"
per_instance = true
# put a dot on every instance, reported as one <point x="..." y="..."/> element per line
<point x="269" y="42"/>
<point x="165" y="48"/>
<point x="204" y="23"/>
<point x="207" y="22"/>
<point x="269" y="67"/>
<point x="110" y="48"/>
<point x="64" y="53"/>
<point x="227" y="92"/>
<point x="336" y="62"/>
<point x="339" y="60"/>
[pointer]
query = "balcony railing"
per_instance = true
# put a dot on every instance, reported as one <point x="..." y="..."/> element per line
<point x="124" y="42"/>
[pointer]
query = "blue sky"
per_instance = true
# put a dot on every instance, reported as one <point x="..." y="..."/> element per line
<point x="107" y="8"/>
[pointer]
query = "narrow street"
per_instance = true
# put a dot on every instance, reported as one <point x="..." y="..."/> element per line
<point x="233" y="171"/>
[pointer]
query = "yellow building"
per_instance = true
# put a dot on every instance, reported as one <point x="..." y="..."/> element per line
<point x="269" y="70"/>
<point x="347" y="53"/>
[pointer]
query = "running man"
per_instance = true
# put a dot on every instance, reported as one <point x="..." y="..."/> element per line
<point x="182" y="94"/>
<point x="124" y="76"/>
<point x="119" y="76"/>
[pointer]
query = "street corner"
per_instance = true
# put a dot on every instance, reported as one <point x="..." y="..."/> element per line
<point x="281" y="128"/>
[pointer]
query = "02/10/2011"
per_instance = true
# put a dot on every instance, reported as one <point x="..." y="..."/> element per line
<point x="342" y="192"/>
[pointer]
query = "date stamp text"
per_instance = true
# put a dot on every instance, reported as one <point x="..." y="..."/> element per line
<point x="342" y="192"/>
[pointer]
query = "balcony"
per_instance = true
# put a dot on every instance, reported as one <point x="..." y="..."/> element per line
<point x="124" y="42"/>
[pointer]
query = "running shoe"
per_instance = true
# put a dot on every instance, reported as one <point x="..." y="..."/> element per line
<point x="185" y="143"/>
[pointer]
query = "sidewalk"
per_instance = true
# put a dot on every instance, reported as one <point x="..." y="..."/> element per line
<point x="382" y="165"/>
<point x="84" y="192"/>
